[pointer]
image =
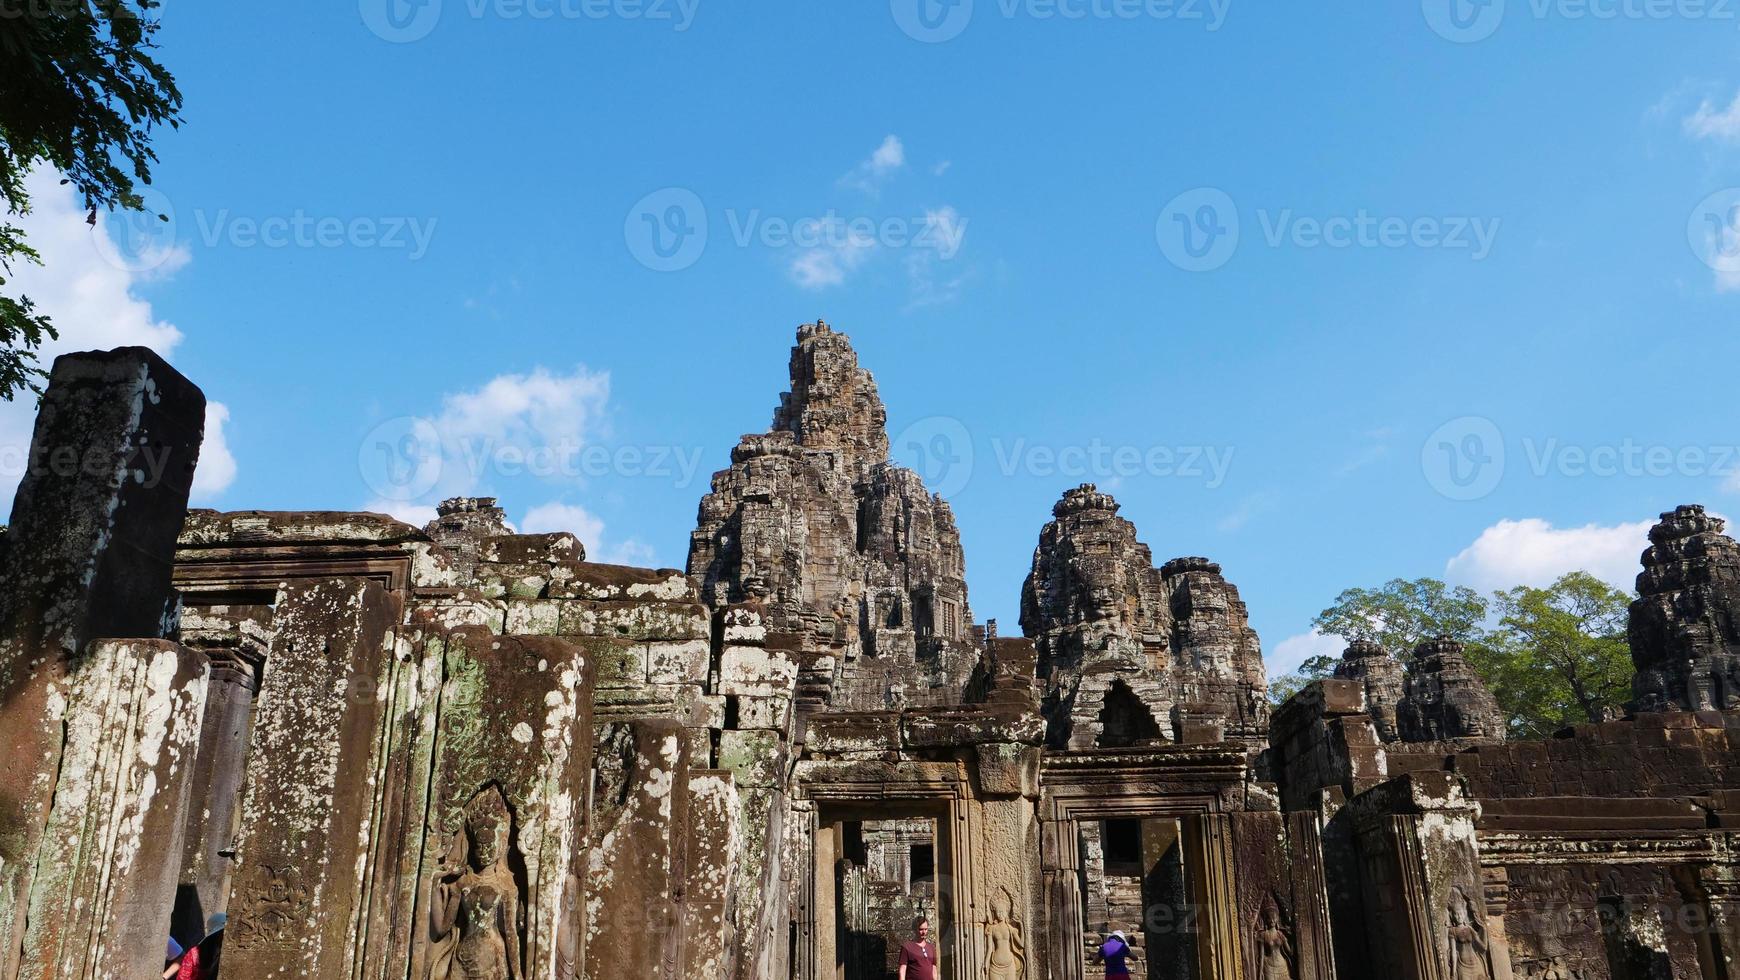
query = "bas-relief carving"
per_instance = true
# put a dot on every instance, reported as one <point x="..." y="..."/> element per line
<point x="475" y="920"/>
<point x="1272" y="944"/>
<point x="1466" y="947"/>
<point x="1006" y="954"/>
<point x="272" y="909"/>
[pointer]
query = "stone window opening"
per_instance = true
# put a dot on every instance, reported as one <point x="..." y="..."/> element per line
<point x="1125" y="721"/>
<point x="922" y="867"/>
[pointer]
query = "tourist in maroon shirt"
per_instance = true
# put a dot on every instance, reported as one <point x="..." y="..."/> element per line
<point x="918" y="958"/>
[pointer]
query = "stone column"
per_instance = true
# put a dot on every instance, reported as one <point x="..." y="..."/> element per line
<point x="314" y="772"/>
<point x="513" y="747"/>
<point x="206" y="862"/>
<point x="1209" y="862"/>
<point x="711" y="888"/>
<point x="110" y="855"/>
<point x="636" y="852"/>
<point x="1721" y="886"/>
<point x="1060" y="877"/>
<point x="1419" y="861"/>
<point x="1496" y="885"/>
<point x="89" y="554"/>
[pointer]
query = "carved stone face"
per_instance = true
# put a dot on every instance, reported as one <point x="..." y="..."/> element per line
<point x="488" y="844"/>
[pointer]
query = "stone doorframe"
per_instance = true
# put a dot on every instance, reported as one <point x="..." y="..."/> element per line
<point x="940" y="791"/>
<point x="1197" y="785"/>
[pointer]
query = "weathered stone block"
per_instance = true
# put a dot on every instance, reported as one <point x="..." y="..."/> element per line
<point x="677" y="661"/>
<point x="302" y="862"/>
<point x="645" y="620"/>
<point x="533" y="617"/>
<point x="757" y="758"/>
<point x="756" y="671"/>
<point x="765" y="713"/>
<point x="89" y="555"/>
<point x="111" y="853"/>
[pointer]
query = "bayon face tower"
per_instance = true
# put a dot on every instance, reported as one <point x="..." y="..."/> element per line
<point x="837" y="544"/>
<point x="1130" y="654"/>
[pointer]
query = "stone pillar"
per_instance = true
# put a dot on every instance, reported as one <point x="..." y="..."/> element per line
<point x="1721" y="886"/>
<point x="110" y="855"/>
<point x="206" y="861"/>
<point x="1208" y="845"/>
<point x="1425" y="902"/>
<point x="314" y="771"/>
<point x="711" y="889"/>
<point x="637" y="851"/>
<point x="513" y="748"/>
<point x="89" y="554"/>
<point x="1060" y="878"/>
<point x="830" y="964"/>
<point x="1496" y="886"/>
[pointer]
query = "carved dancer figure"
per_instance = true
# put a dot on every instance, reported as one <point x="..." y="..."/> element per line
<point x="1467" y="940"/>
<point x="476" y="905"/>
<point x="1273" y="945"/>
<point x="1003" y="935"/>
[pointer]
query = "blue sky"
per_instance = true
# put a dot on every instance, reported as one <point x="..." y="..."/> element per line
<point x="1468" y="249"/>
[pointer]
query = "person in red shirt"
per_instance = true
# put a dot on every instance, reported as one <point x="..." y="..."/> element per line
<point x="918" y="958"/>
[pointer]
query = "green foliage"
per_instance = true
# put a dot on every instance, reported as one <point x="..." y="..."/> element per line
<point x="1402" y="614"/>
<point x="79" y="92"/>
<point x="1556" y="656"/>
<point x="1313" y="669"/>
<point x="1559" y="655"/>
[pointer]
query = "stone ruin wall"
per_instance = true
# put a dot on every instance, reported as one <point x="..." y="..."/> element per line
<point x="339" y="730"/>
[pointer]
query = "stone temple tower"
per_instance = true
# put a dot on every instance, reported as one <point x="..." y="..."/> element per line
<point x="1130" y="654"/>
<point x="1685" y="624"/>
<point x="839" y="545"/>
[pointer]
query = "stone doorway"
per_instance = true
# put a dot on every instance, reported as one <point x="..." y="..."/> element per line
<point x="876" y="867"/>
<point x="1134" y="879"/>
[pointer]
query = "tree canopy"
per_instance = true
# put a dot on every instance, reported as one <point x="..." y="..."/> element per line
<point x="79" y="92"/>
<point x="1553" y="656"/>
<point x="1401" y="614"/>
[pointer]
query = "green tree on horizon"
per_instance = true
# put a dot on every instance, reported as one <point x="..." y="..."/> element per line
<point x="1554" y="656"/>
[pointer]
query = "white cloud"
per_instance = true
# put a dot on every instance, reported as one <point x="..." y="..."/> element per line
<point x="844" y="249"/>
<point x="415" y="515"/>
<point x="86" y="285"/>
<point x="1533" y="552"/>
<point x="525" y="410"/>
<point x="1287" y="655"/>
<point x="1710" y="122"/>
<point x="932" y="276"/>
<point x="1732" y="483"/>
<point x="217" y="467"/>
<point x="869" y="175"/>
<point x="515" y="426"/>
<point x="942" y="167"/>
<point x="589" y="528"/>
